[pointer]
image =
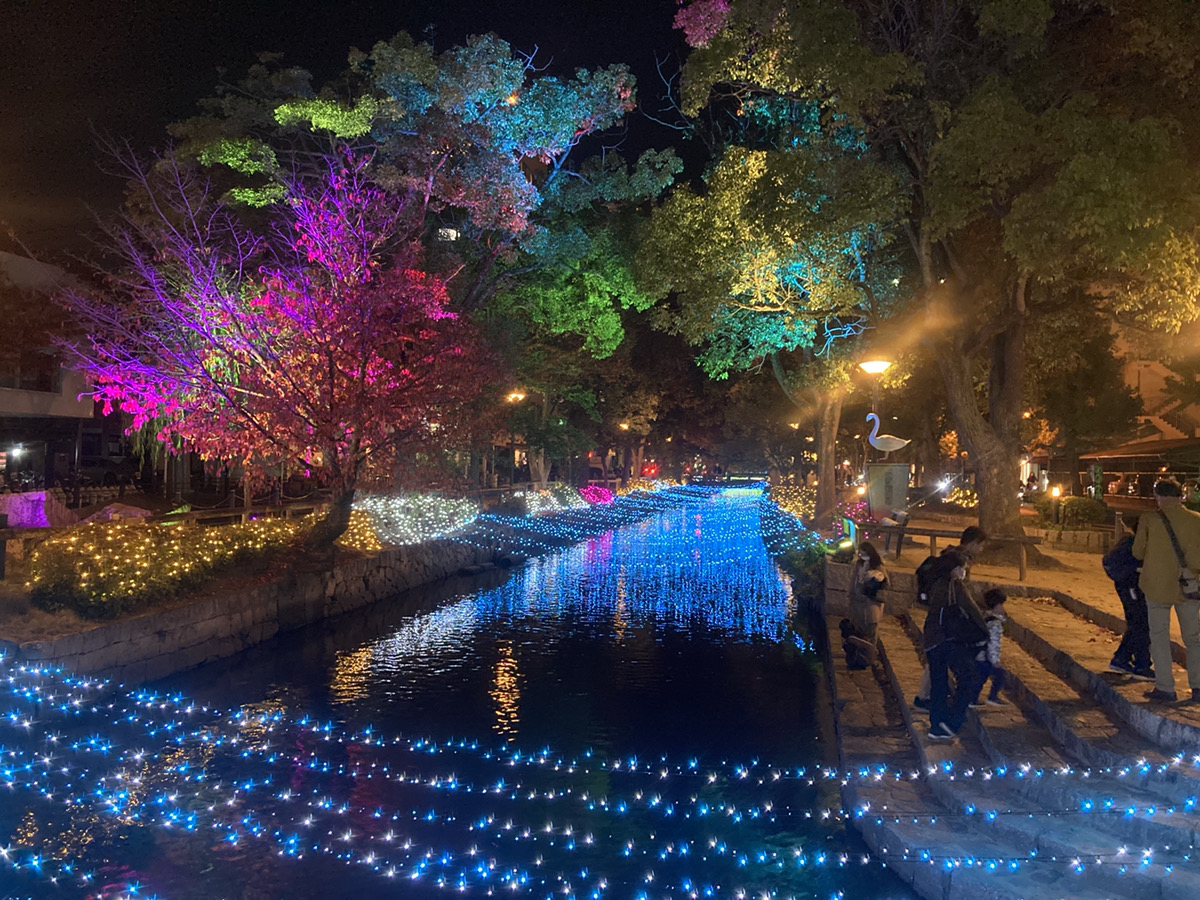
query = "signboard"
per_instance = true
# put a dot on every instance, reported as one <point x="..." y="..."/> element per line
<point x="887" y="488"/>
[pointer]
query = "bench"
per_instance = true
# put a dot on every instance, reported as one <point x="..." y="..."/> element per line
<point x="951" y="536"/>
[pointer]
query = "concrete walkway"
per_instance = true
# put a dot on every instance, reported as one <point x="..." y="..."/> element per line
<point x="1078" y="788"/>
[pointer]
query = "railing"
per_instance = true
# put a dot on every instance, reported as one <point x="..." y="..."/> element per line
<point x="1023" y="542"/>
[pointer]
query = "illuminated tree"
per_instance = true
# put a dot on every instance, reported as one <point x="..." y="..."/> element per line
<point x="1041" y="152"/>
<point x="313" y="341"/>
<point x="480" y="138"/>
<point x="777" y="262"/>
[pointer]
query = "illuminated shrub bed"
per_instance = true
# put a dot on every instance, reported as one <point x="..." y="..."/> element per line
<point x="103" y="570"/>
<point x="799" y="501"/>
<point x="555" y="498"/>
<point x="376" y="521"/>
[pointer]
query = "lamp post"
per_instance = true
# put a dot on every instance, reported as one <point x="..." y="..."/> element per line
<point x="514" y="397"/>
<point x="875" y="368"/>
<point x="1055" y="494"/>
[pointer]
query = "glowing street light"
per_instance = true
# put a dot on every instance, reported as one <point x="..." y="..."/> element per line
<point x="875" y="366"/>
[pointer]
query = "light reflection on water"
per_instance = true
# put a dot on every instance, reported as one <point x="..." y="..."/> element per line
<point x="669" y="642"/>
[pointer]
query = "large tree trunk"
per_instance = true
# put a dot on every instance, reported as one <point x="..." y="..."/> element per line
<point x="992" y="441"/>
<point x="828" y="420"/>
<point x="335" y="522"/>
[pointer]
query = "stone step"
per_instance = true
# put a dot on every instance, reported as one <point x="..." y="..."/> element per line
<point x="960" y="852"/>
<point x="1047" y="815"/>
<point x="1038" y="625"/>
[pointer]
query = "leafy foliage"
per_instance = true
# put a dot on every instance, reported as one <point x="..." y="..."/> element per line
<point x="317" y="344"/>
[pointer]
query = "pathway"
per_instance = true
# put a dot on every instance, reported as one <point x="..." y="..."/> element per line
<point x="1079" y="788"/>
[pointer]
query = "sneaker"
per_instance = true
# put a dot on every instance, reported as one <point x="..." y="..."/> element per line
<point x="1143" y="675"/>
<point x="941" y="732"/>
<point x="920" y="703"/>
<point x="1121" y="668"/>
<point x="1161" y="696"/>
<point x="996" y="701"/>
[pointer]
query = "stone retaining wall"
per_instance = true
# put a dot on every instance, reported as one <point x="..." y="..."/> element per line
<point x="155" y="645"/>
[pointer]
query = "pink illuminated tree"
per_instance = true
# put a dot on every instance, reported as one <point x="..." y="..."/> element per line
<point x="312" y="340"/>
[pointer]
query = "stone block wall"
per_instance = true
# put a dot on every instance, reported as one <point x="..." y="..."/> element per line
<point x="900" y="595"/>
<point x="151" y="646"/>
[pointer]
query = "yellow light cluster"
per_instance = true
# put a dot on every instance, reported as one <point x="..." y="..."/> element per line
<point x="101" y="570"/>
<point x="966" y="497"/>
<point x="645" y="484"/>
<point x="797" y="500"/>
<point x="360" y="533"/>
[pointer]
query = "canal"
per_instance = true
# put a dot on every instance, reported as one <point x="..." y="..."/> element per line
<point x="638" y="715"/>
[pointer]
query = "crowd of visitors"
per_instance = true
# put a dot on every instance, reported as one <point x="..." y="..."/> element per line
<point x="1154" y="568"/>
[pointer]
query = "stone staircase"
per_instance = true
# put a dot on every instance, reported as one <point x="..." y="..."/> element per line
<point x="1078" y="788"/>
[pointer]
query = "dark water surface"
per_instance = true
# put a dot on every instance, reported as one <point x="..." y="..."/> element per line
<point x="625" y="718"/>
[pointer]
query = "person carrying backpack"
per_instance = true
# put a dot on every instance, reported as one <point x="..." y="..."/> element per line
<point x="955" y="632"/>
<point x="967" y="548"/>
<point x="1133" y="654"/>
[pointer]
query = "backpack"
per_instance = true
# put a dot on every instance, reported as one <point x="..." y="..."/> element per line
<point x="957" y="626"/>
<point x="1120" y="564"/>
<point x="927" y="573"/>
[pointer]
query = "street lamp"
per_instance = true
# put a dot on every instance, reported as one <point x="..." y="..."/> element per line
<point x="514" y="397"/>
<point x="875" y="366"/>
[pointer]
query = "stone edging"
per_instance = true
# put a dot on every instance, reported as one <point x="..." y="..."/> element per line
<point x="144" y="648"/>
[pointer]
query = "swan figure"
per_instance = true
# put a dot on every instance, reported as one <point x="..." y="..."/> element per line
<point x="885" y="442"/>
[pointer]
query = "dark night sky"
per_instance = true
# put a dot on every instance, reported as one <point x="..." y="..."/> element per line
<point x="129" y="67"/>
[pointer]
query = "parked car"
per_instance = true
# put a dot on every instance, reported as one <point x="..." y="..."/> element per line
<point x="107" y="470"/>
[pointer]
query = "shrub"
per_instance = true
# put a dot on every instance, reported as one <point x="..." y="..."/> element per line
<point x="101" y="571"/>
<point x="798" y="500"/>
<point x="1073" y="512"/>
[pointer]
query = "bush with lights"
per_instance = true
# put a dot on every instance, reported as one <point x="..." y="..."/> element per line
<point x="556" y="497"/>
<point x="798" y="500"/>
<point x="379" y="521"/>
<point x="103" y="570"/>
<point x="1073" y="512"/>
<point x="964" y="496"/>
<point x="596" y="495"/>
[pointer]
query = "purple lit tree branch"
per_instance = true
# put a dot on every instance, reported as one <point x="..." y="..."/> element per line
<point x="314" y="341"/>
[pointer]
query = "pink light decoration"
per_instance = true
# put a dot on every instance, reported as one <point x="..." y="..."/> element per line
<point x="314" y="341"/>
<point x="596" y="495"/>
<point x="701" y="20"/>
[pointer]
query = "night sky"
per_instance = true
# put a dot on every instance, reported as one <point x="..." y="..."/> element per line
<point x="129" y="67"/>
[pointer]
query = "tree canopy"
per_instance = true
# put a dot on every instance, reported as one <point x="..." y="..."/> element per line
<point x="1038" y="149"/>
<point x="313" y="341"/>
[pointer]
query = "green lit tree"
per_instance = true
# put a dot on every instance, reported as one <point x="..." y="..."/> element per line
<point x="1039" y="145"/>
<point x="777" y="262"/>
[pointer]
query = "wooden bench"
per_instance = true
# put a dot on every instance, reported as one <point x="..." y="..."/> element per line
<point x="951" y="536"/>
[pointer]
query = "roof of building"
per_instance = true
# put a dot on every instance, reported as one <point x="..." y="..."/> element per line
<point x="1177" y="448"/>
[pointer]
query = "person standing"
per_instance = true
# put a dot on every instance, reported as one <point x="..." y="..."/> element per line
<point x="1160" y="584"/>
<point x="860" y="631"/>
<point x="1133" y="654"/>
<point x="961" y="554"/>
<point x="988" y="658"/>
<point x="955" y="632"/>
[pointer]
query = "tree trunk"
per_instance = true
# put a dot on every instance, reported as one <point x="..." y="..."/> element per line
<point x="538" y="467"/>
<point x="335" y="522"/>
<point x="828" y="420"/>
<point x="993" y="442"/>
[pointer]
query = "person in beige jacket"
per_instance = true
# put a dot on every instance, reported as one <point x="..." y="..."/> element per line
<point x="1159" y="583"/>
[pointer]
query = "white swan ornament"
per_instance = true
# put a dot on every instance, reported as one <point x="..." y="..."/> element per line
<point x="885" y="442"/>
